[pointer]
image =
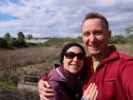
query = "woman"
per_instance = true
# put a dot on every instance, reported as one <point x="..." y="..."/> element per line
<point x="67" y="79"/>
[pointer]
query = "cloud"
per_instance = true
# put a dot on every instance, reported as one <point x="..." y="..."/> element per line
<point x="56" y="17"/>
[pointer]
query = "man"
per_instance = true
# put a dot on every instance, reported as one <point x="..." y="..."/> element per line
<point x="109" y="69"/>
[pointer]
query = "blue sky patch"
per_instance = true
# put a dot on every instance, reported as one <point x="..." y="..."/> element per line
<point x="7" y="2"/>
<point x="16" y="2"/>
<point x="6" y="17"/>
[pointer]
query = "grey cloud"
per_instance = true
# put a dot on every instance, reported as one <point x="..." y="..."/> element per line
<point x="64" y="16"/>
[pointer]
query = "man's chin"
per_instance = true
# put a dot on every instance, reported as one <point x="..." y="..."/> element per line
<point x="94" y="53"/>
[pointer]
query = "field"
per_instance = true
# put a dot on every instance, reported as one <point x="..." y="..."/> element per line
<point x="125" y="48"/>
<point x="27" y="56"/>
<point x="16" y="63"/>
<point x="37" y="55"/>
<point x="32" y="61"/>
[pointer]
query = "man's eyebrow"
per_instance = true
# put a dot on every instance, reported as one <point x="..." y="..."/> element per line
<point x="85" y="32"/>
<point x="98" y="30"/>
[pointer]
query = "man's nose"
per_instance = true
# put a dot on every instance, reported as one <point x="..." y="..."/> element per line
<point x="92" y="38"/>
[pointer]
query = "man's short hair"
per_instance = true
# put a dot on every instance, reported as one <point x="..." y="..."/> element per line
<point x="93" y="15"/>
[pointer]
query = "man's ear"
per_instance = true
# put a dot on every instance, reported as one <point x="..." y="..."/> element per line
<point x="81" y="39"/>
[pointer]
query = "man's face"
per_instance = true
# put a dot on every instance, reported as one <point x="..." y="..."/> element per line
<point x="95" y="36"/>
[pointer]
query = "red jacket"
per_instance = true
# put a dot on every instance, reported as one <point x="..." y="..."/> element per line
<point x="113" y="77"/>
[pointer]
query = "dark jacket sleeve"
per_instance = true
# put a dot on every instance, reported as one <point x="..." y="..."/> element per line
<point x="55" y="80"/>
<point x="61" y="92"/>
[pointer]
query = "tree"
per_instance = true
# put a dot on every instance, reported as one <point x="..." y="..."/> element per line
<point x="8" y="41"/>
<point x="21" y="39"/>
<point x="21" y="36"/>
<point x="129" y="31"/>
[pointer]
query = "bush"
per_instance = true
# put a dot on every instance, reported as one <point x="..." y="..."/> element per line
<point x="118" y="39"/>
<point x="7" y="41"/>
<point x="130" y="38"/>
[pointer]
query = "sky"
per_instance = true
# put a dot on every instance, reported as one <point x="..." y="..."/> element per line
<point x="61" y="18"/>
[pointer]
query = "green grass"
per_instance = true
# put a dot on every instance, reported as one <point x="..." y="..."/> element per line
<point x="8" y="85"/>
<point x="59" y="42"/>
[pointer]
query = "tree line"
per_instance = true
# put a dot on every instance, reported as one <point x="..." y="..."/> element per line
<point x="120" y="39"/>
<point x="9" y="42"/>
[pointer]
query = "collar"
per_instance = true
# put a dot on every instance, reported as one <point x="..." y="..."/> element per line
<point x="111" y="54"/>
<point x="67" y="74"/>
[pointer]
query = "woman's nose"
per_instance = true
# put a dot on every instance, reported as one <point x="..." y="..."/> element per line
<point x="75" y="58"/>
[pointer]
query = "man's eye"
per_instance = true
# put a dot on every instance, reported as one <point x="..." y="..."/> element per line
<point x="98" y="33"/>
<point x="86" y="34"/>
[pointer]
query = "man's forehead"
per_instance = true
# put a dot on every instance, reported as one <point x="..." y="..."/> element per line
<point x="93" y="24"/>
<point x="92" y="21"/>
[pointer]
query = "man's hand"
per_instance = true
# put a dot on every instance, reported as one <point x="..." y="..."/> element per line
<point x="45" y="91"/>
<point x="91" y="92"/>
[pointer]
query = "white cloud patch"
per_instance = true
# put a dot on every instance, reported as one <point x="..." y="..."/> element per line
<point x="61" y="17"/>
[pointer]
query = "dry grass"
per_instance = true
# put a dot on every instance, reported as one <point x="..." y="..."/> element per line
<point x="37" y="60"/>
<point x="27" y="56"/>
<point x="125" y="48"/>
<point x="34" y="61"/>
<point x="37" y="55"/>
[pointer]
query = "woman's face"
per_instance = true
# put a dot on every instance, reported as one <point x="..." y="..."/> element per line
<point x="73" y="59"/>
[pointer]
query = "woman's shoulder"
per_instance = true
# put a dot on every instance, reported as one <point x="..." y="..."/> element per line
<point x="56" y="75"/>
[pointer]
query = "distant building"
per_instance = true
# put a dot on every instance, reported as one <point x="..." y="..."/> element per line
<point x="36" y="40"/>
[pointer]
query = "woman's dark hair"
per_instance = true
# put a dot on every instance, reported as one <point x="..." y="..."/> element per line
<point x="66" y="47"/>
